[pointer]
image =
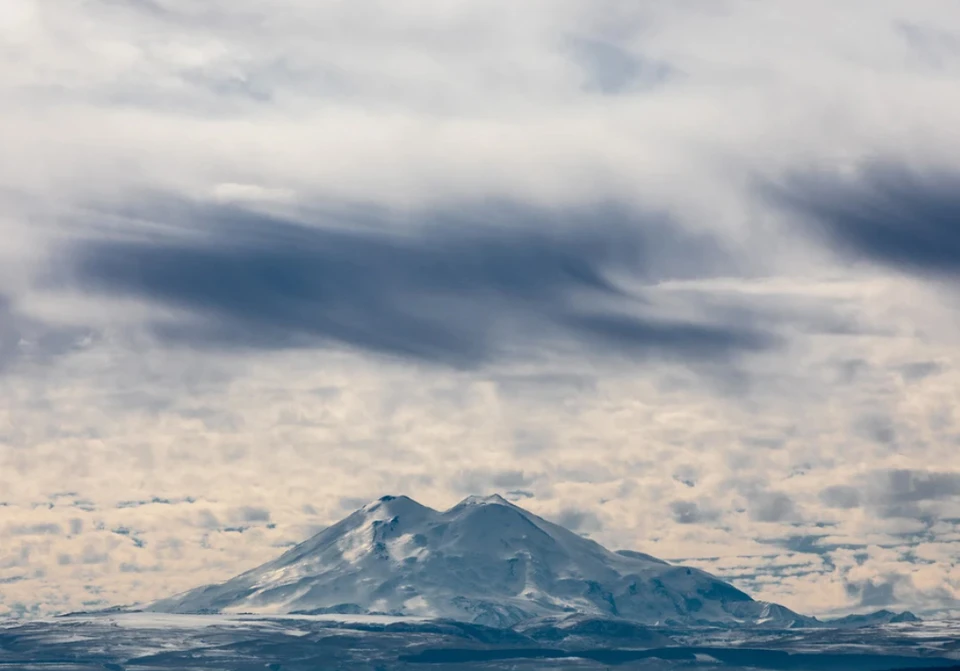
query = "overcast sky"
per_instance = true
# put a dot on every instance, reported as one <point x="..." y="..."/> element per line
<point x="682" y="276"/>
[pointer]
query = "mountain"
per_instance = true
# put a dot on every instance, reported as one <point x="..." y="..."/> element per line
<point x="876" y="619"/>
<point x="484" y="560"/>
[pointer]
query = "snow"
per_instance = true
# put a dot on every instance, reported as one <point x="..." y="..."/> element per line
<point x="484" y="560"/>
<point x="151" y="620"/>
<point x="169" y="620"/>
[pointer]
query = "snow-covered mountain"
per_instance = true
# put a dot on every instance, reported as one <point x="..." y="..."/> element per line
<point x="486" y="561"/>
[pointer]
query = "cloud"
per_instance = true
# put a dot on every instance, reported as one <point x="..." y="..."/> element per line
<point x="806" y="544"/>
<point x="878" y="428"/>
<point x="840" y="496"/>
<point x="899" y="486"/>
<point x="611" y="69"/>
<point x="35" y="530"/>
<point x="908" y="494"/>
<point x="772" y="507"/>
<point x="480" y="480"/>
<point x="933" y="46"/>
<point x="251" y="514"/>
<point x="582" y="521"/>
<point x="459" y="289"/>
<point x="9" y="335"/>
<point x="918" y="370"/>
<point x="878" y="592"/>
<point x="25" y="338"/>
<point x="884" y="212"/>
<point x="690" y="512"/>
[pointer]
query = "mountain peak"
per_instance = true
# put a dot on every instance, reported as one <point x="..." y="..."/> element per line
<point x="390" y="498"/>
<point x="395" y="505"/>
<point x="492" y="499"/>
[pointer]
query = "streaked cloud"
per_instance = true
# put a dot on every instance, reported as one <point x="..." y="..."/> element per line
<point x="885" y="212"/>
<point x="458" y="288"/>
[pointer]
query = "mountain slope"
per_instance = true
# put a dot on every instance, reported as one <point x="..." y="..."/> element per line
<point x="485" y="560"/>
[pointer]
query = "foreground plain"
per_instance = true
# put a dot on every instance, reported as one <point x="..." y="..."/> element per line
<point x="149" y="642"/>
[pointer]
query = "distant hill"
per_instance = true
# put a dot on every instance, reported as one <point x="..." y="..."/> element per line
<point x="876" y="619"/>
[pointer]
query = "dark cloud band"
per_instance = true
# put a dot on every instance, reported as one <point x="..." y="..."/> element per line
<point x="884" y="213"/>
<point x="453" y="288"/>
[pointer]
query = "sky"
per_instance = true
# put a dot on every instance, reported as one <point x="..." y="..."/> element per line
<point x="680" y="276"/>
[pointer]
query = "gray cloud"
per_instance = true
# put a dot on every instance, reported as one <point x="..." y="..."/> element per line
<point x="459" y="289"/>
<point x="155" y="500"/>
<point x="251" y="514"/>
<point x="896" y="493"/>
<point x="484" y="481"/>
<point x="579" y="520"/>
<point x="24" y="338"/>
<point x="772" y="507"/>
<point x="687" y="474"/>
<point x="918" y="370"/>
<point x="878" y="592"/>
<point x="207" y="520"/>
<point x="809" y="544"/>
<point x="35" y="530"/>
<point x="350" y="503"/>
<point x="886" y="213"/>
<point x="611" y="69"/>
<point x="904" y="486"/>
<point x="878" y="428"/>
<point x="851" y="370"/>
<point x="91" y="555"/>
<point x="933" y="46"/>
<point x="840" y="496"/>
<point x="690" y="512"/>
<point x="518" y="495"/>
<point x="9" y="334"/>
